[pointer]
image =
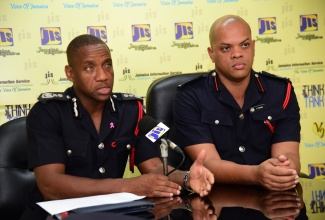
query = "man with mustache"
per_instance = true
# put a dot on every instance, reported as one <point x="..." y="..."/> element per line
<point x="80" y="140"/>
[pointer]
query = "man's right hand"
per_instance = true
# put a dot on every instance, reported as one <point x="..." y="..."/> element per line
<point x="153" y="185"/>
<point x="275" y="175"/>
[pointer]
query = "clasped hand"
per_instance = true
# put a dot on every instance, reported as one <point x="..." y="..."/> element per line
<point x="277" y="174"/>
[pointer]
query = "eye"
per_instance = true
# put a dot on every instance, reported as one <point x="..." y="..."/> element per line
<point x="108" y="65"/>
<point x="89" y="68"/>
<point x="245" y="44"/>
<point x="225" y="48"/>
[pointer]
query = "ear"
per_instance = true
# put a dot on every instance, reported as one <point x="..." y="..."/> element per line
<point x="211" y="54"/>
<point x="69" y="73"/>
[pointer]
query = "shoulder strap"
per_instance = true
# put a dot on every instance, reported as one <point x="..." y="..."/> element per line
<point x="48" y="96"/>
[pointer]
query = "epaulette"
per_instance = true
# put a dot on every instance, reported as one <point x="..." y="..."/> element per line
<point x="49" y="96"/>
<point x="263" y="73"/>
<point x="191" y="80"/>
<point x="125" y="97"/>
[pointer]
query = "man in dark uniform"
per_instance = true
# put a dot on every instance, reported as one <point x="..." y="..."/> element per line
<point x="80" y="140"/>
<point x="247" y="122"/>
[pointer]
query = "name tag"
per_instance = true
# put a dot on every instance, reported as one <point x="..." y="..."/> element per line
<point x="257" y="108"/>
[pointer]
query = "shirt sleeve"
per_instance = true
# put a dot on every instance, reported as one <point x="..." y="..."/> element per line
<point x="44" y="137"/>
<point x="288" y="129"/>
<point x="187" y="119"/>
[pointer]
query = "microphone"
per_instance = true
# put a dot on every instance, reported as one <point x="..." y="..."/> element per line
<point x="164" y="155"/>
<point x="153" y="131"/>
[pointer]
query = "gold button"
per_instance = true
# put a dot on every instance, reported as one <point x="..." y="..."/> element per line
<point x="69" y="152"/>
<point x="241" y="116"/>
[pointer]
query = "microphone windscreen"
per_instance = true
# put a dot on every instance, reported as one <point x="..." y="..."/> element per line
<point x="146" y="124"/>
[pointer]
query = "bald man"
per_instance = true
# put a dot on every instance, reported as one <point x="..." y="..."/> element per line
<point x="248" y="122"/>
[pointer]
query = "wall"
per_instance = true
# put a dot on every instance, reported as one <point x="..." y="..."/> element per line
<point x="151" y="39"/>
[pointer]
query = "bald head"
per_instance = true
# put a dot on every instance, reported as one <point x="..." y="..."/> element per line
<point x="223" y="22"/>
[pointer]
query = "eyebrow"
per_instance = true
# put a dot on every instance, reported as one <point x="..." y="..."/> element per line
<point x="240" y="42"/>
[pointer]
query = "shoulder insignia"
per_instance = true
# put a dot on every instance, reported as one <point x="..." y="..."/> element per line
<point x="263" y="73"/>
<point x="48" y="96"/>
<point x="125" y="97"/>
<point x="191" y="80"/>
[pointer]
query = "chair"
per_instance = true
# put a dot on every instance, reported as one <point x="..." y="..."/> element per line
<point x="159" y="105"/>
<point x="15" y="179"/>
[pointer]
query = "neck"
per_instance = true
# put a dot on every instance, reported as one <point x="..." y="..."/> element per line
<point x="237" y="89"/>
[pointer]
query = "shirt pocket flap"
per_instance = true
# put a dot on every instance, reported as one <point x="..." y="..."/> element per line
<point x="216" y="118"/>
<point x="76" y="147"/>
<point x="269" y="114"/>
<point x="125" y="143"/>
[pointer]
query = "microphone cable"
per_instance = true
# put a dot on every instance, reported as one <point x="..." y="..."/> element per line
<point x="179" y="165"/>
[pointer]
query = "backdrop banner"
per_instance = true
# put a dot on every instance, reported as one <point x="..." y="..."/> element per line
<point x="157" y="38"/>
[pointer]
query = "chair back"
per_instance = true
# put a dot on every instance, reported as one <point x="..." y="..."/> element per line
<point x="15" y="178"/>
<point x="159" y="105"/>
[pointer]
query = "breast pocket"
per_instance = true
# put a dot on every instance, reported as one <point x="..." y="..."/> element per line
<point x="118" y="155"/>
<point x="271" y="115"/>
<point x="76" y="147"/>
<point x="77" y="155"/>
<point x="221" y="126"/>
<point x="265" y="123"/>
<point x="124" y="144"/>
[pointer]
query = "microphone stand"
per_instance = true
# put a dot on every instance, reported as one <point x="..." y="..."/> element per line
<point x="164" y="155"/>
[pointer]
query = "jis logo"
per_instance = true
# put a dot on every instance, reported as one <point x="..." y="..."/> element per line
<point x="51" y="36"/>
<point x="157" y="132"/>
<point x="308" y="23"/>
<point x="6" y="37"/>
<point x="267" y="25"/>
<point x="316" y="171"/>
<point x="98" y="31"/>
<point x="141" y="32"/>
<point x="184" y="30"/>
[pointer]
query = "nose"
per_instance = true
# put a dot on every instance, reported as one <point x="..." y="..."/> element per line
<point x="101" y="75"/>
<point x="237" y="53"/>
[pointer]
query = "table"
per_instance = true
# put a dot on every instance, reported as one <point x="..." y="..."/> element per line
<point x="235" y="202"/>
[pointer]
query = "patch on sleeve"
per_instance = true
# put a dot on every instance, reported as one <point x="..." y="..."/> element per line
<point x="49" y="96"/>
<point x="125" y="97"/>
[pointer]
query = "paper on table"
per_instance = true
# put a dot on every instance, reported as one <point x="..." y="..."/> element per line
<point x="58" y="206"/>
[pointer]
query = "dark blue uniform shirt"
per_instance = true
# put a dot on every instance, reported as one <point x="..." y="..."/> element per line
<point x="57" y="135"/>
<point x="205" y="112"/>
<point x="61" y="131"/>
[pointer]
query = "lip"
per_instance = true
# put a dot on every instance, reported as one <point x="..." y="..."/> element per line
<point x="104" y="90"/>
<point x="239" y="66"/>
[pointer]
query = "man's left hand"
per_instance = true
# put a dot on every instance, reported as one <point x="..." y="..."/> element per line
<point x="200" y="179"/>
